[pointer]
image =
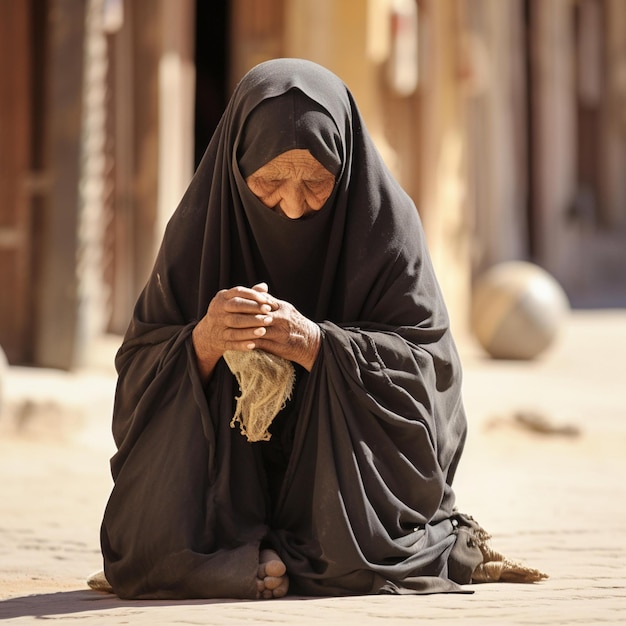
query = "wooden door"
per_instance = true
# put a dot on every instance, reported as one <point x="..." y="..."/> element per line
<point x="15" y="161"/>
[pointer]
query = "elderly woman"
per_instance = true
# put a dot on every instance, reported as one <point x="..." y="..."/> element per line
<point x="288" y="411"/>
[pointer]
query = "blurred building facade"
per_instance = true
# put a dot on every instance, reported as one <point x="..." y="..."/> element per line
<point x="505" y="120"/>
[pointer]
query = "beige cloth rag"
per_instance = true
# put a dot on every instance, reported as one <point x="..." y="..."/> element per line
<point x="266" y="383"/>
<point x="498" y="568"/>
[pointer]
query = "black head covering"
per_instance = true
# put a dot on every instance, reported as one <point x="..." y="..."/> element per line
<point x="366" y="500"/>
<point x="290" y="121"/>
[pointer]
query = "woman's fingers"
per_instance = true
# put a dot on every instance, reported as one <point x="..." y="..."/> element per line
<point x="263" y="288"/>
<point x="239" y="320"/>
<point x="244" y="300"/>
<point x="239" y="317"/>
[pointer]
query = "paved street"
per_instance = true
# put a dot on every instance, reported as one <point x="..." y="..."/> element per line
<point x="544" y="472"/>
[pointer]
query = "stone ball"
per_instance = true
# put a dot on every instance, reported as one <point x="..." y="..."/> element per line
<point x="517" y="310"/>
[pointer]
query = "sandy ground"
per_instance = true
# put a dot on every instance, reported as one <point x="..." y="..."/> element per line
<point x="555" y="499"/>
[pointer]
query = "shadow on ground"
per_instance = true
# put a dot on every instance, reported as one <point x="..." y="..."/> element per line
<point x="70" y="602"/>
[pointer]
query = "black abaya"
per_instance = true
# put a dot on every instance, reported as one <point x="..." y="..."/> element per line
<point x="354" y="489"/>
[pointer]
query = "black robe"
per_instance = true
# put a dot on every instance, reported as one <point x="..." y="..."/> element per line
<point x="354" y="488"/>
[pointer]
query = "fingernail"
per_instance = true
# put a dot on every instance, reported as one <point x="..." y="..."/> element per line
<point x="266" y="308"/>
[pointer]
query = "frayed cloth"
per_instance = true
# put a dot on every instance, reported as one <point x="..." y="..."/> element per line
<point x="266" y="383"/>
<point x="498" y="568"/>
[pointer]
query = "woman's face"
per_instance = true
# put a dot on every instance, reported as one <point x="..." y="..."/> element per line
<point x="294" y="184"/>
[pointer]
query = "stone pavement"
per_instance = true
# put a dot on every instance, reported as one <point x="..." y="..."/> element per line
<point x="551" y="489"/>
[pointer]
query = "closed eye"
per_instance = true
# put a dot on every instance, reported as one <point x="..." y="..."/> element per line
<point x="319" y="185"/>
<point x="267" y="186"/>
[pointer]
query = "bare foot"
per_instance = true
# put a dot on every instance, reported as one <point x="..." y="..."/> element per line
<point x="272" y="580"/>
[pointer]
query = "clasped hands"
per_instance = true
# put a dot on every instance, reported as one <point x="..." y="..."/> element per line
<point x="249" y="318"/>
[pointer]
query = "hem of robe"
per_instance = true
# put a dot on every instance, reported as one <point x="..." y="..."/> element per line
<point x="412" y="585"/>
<point x="422" y="585"/>
<point x="188" y="575"/>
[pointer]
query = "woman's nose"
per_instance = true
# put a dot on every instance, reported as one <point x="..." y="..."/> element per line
<point x="293" y="203"/>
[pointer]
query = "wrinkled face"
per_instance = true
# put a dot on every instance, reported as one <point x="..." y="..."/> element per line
<point x="294" y="184"/>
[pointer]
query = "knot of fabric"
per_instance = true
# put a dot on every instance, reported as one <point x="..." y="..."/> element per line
<point x="266" y="383"/>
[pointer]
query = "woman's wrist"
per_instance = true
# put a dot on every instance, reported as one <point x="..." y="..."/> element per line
<point x="206" y="362"/>
<point x="314" y="342"/>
